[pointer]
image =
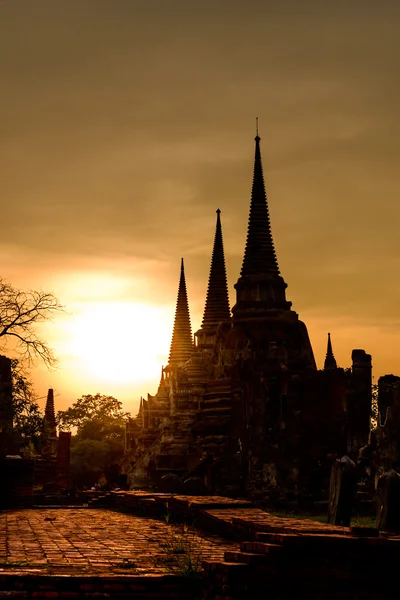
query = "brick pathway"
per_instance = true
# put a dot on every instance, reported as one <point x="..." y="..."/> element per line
<point x="93" y="540"/>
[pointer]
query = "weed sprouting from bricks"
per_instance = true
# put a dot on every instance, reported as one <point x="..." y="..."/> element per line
<point x="126" y="563"/>
<point x="181" y="552"/>
<point x="168" y="515"/>
<point x="5" y="564"/>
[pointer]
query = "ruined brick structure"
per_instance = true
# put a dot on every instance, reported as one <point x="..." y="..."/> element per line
<point x="6" y="411"/>
<point x="388" y="430"/>
<point x="243" y="406"/>
<point x="52" y="467"/>
<point x="16" y="474"/>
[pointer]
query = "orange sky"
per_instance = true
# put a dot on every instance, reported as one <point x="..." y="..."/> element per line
<point x="125" y="124"/>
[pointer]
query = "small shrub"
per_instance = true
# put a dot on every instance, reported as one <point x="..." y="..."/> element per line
<point x="126" y="563"/>
<point x="181" y="553"/>
<point x="168" y="515"/>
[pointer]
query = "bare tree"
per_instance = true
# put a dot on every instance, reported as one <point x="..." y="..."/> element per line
<point x="20" y="312"/>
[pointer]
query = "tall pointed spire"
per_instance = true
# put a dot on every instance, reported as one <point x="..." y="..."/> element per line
<point x="330" y="362"/>
<point x="259" y="255"/>
<point x="217" y="302"/>
<point x="182" y="344"/>
<point x="260" y="288"/>
<point x="49" y="414"/>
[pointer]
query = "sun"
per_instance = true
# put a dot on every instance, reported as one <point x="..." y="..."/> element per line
<point x="120" y="342"/>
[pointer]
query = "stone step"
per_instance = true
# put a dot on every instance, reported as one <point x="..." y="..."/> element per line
<point x="233" y="570"/>
<point x="222" y="388"/>
<point x="172" y="462"/>
<point x="214" y="412"/>
<point x="215" y="403"/>
<point x="212" y="423"/>
<point x="319" y="543"/>
<point x="213" y="447"/>
<point x="212" y="398"/>
<point x="247" y="558"/>
<point x="290" y="526"/>
<point x="261" y="548"/>
<point x="178" y="439"/>
<point x="212" y="418"/>
<point x="212" y="439"/>
<point x="216" y="383"/>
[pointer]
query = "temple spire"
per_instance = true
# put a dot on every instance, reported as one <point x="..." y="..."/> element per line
<point x="330" y="362"/>
<point x="182" y="344"/>
<point x="260" y="288"/>
<point x="217" y="301"/>
<point x="49" y="414"/>
<point x="259" y="256"/>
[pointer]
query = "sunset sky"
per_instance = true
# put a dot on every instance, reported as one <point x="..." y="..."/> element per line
<point x="125" y="124"/>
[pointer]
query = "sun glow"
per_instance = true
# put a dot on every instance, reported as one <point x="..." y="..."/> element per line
<point x="120" y="342"/>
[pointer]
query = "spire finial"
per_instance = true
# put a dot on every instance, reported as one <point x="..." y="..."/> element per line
<point x="217" y="301"/>
<point x="257" y="136"/>
<point x="259" y="255"/>
<point x="330" y="362"/>
<point x="182" y="343"/>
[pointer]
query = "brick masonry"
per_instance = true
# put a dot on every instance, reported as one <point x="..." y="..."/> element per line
<point x="250" y="554"/>
<point x="95" y="540"/>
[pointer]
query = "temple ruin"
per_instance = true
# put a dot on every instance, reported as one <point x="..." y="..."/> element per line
<point x="52" y="466"/>
<point x="242" y="407"/>
<point x="49" y="470"/>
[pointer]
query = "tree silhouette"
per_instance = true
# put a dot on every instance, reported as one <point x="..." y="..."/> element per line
<point x="28" y="421"/>
<point x="95" y="417"/>
<point x="20" y="312"/>
<point x="98" y="444"/>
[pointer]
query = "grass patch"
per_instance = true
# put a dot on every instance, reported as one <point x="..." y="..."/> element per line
<point x="8" y="564"/>
<point x="293" y="515"/>
<point x="181" y="553"/>
<point x="356" y="521"/>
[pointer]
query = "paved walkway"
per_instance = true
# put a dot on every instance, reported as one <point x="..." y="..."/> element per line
<point x="95" y="539"/>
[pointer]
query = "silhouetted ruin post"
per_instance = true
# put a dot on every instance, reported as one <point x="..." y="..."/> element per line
<point x="342" y="489"/>
<point x="359" y="403"/>
<point x="6" y="408"/>
<point x="63" y="459"/>
<point x="388" y="493"/>
<point x="16" y="474"/>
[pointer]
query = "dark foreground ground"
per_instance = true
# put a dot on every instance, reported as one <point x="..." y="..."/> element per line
<point x="223" y="549"/>
<point x="93" y="540"/>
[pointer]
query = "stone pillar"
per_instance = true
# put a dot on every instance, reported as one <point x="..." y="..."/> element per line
<point x="16" y="488"/>
<point x="359" y="400"/>
<point x="6" y="407"/>
<point x="63" y="459"/>
<point x="389" y="419"/>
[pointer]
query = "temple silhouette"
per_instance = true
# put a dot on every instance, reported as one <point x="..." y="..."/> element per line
<point x="47" y="469"/>
<point x="241" y="406"/>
